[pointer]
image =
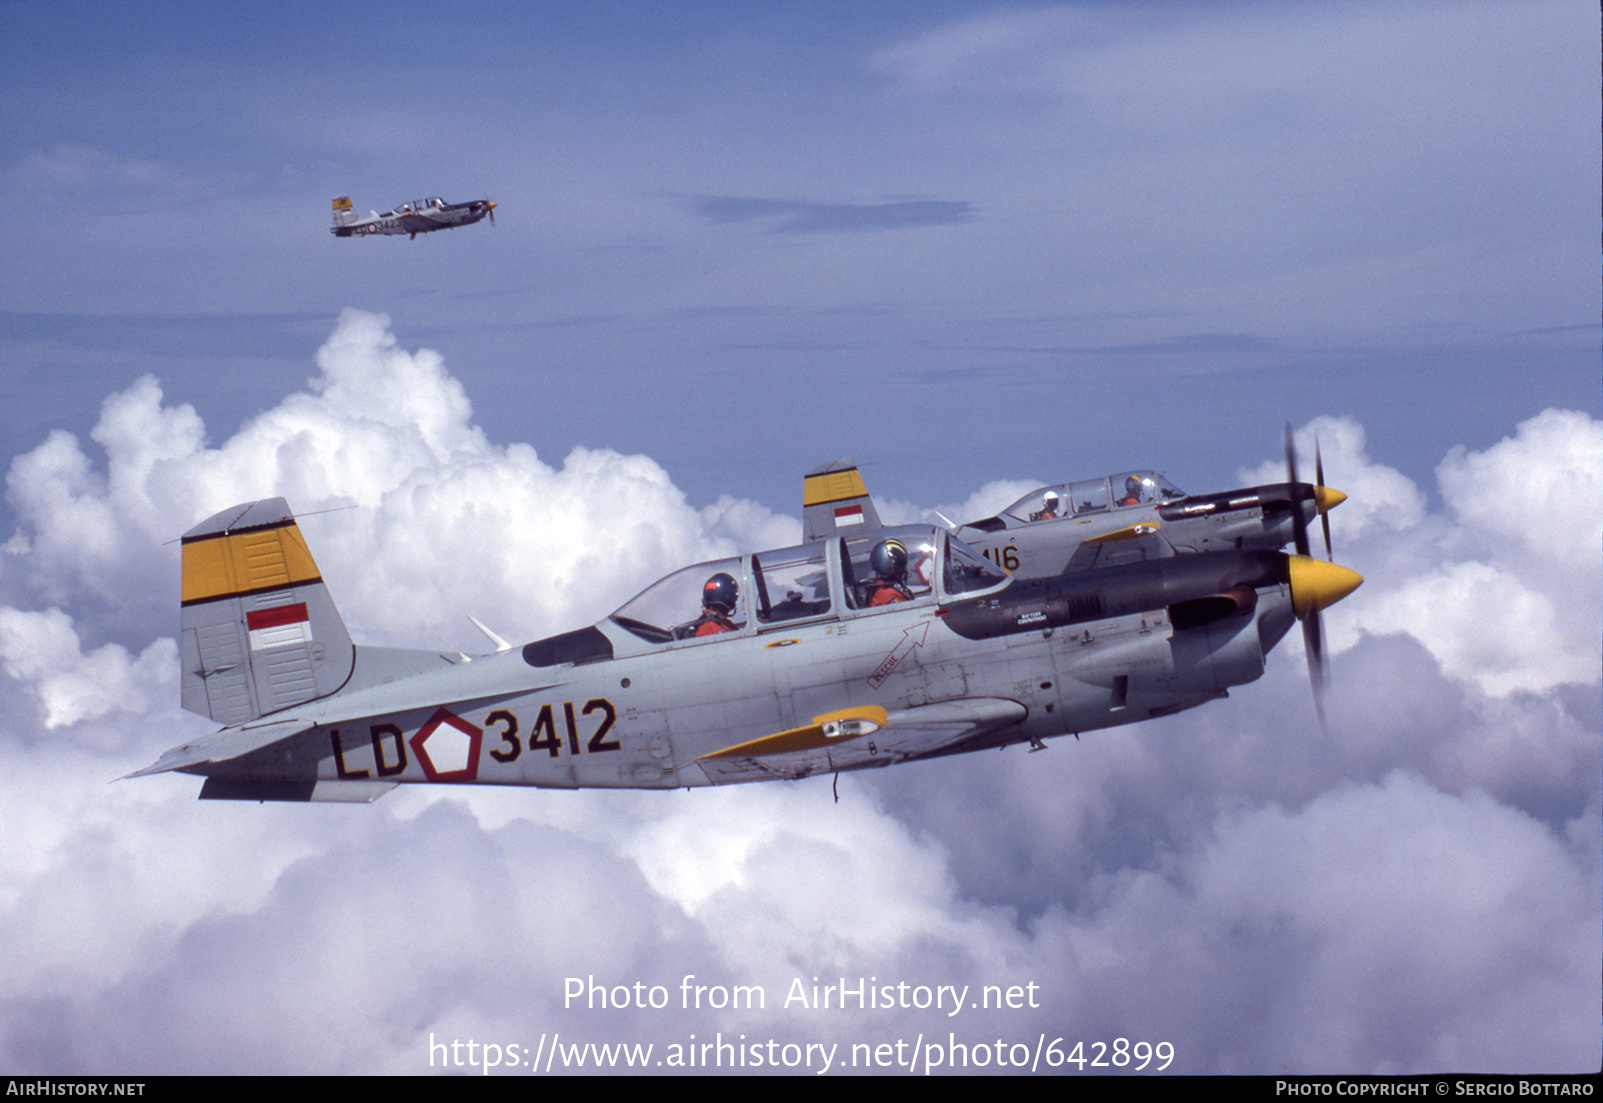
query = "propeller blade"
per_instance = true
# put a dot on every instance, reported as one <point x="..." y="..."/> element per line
<point x="1313" y="639"/>
<point x="1315" y="585"/>
<point x="1299" y="523"/>
<point x="1324" y="514"/>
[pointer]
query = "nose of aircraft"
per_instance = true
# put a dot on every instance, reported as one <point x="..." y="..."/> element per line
<point x="1316" y="583"/>
<point x="1328" y="498"/>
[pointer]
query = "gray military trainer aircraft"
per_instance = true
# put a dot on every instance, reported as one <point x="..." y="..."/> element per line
<point x="865" y="649"/>
<point x="1126" y="517"/>
<point x="418" y="217"/>
<point x="1130" y="517"/>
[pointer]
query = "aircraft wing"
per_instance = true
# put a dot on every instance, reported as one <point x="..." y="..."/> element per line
<point x="224" y="745"/>
<point x="1135" y="544"/>
<point x="855" y="738"/>
<point x="835" y="502"/>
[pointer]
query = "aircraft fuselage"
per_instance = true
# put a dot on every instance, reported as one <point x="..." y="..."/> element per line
<point x="420" y="217"/>
<point x="1250" y="517"/>
<point x="1092" y="650"/>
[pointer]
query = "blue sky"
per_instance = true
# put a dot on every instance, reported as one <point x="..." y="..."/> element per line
<point x="939" y="216"/>
<point x="976" y="247"/>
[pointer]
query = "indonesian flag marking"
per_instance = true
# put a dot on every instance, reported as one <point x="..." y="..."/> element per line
<point x="848" y="515"/>
<point x="279" y="626"/>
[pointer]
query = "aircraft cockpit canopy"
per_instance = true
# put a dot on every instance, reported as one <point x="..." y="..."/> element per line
<point x="915" y="563"/>
<point x="1089" y="496"/>
<point x="416" y="206"/>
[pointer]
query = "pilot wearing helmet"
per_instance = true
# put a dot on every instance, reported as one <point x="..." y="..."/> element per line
<point x="1136" y="491"/>
<point x="888" y="561"/>
<point x="1049" y="508"/>
<point x="719" y="597"/>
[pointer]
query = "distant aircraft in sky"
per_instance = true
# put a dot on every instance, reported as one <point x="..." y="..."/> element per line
<point x="418" y="217"/>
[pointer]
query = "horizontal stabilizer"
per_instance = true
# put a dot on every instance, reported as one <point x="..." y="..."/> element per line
<point x="865" y="736"/>
<point x="224" y="745"/>
<point x="344" y="792"/>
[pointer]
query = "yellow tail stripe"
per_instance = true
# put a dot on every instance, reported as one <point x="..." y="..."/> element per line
<point x="833" y="486"/>
<point x="228" y="565"/>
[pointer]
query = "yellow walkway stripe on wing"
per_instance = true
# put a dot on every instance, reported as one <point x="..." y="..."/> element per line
<point x="869" y="718"/>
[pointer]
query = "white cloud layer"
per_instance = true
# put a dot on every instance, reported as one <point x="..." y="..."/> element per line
<point x="1418" y="892"/>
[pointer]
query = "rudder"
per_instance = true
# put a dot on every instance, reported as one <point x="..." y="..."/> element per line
<point x="259" y="631"/>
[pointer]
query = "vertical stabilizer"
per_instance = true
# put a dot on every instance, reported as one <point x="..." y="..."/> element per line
<point x="835" y="500"/>
<point x="260" y="632"/>
<point x="343" y="214"/>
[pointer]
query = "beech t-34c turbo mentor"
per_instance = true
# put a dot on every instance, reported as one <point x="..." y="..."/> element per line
<point x="1122" y="518"/>
<point x="1130" y="517"/>
<point x="861" y="650"/>
<point x="417" y="217"/>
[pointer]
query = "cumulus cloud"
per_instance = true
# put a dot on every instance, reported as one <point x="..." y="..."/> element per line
<point x="1340" y="909"/>
<point x="485" y="527"/>
<point x="1540" y="491"/>
<point x="1419" y="891"/>
<point x="1523" y="646"/>
<point x="42" y="650"/>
